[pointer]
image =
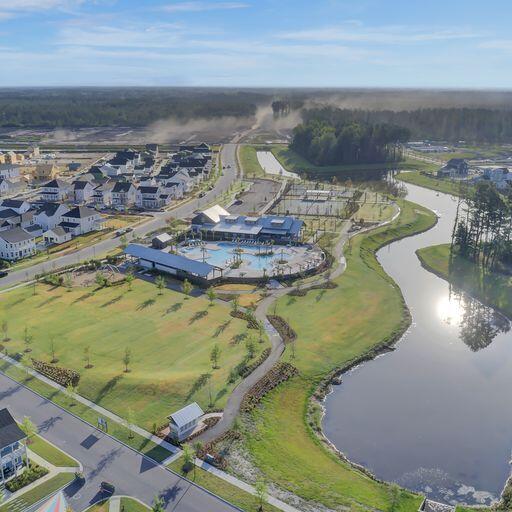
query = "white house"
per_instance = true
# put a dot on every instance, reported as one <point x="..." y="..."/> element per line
<point x="56" y="190"/>
<point x="18" y="205"/>
<point x="110" y="170"/>
<point x="50" y="215"/>
<point x="183" y="422"/>
<point x="149" y="197"/>
<point x="124" y="194"/>
<point x="83" y="191"/>
<point x="10" y="171"/>
<point x="56" y="235"/>
<point x="13" y="450"/>
<point x="81" y="220"/>
<point x="8" y="186"/>
<point x="16" y="243"/>
<point x="102" y="195"/>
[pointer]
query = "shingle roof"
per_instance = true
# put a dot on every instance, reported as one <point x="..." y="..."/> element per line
<point x="8" y="213"/>
<point x="56" y="183"/>
<point x="148" y="189"/>
<point x="122" y="186"/>
<point x="9" y="430"/>
<point x="80" y="212"/>
<point x="15" y="235"/>
<point x="174" y="261"/>
<point x="49" y="208"/>
<point x="189" y="413"/>
<point x="80" y="185"/>
<point x="12" y="203"/>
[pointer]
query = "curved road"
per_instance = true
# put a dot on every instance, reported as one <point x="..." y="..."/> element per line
<point x="228" y="158"/>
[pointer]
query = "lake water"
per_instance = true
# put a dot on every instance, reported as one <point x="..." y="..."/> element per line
<point x="435" y="415"/>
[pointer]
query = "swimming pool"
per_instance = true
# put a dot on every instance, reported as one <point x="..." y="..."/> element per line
<point x="221" y="254"/>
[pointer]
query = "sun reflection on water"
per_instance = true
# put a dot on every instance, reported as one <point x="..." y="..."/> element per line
<point x="451" y="309"/>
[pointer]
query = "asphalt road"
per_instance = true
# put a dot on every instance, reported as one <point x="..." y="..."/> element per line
<point x="105" y="459"/>
<point x="228" y="158"/>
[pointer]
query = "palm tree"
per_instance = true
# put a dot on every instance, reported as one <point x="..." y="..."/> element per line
<point x="160" y="284"/>
<point x="211" y="295"/>
<point x="128" y="278"/>
<point x="261" y="492"/>
<point x="158" y="504"/>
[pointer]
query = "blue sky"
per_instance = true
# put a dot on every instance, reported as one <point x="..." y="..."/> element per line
<point x="328" y="43"/>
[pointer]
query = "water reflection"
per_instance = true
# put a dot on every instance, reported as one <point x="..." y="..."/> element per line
<point x="478" y="324"/>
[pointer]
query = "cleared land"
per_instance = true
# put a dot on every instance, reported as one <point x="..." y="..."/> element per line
<point x="491" y="288"/>
<point x="430" y="181"/>
<point x="170" y="338"/>
<point x="332" y="333"/>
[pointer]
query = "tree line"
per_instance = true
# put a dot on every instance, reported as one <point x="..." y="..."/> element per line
<point x="483" y="226"/>
<point x="447" y="124"/>
<point x="333" y="142"/>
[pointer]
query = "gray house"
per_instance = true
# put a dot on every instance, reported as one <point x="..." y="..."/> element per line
<point x="13" y="450"/>
<point x="183" y="422"/>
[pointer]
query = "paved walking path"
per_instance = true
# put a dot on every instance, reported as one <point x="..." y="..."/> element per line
<point x="114" y="504"/>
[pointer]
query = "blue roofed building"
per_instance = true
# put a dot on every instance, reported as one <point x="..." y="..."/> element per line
<point x="176" y="265"/>
<point x="280" y="229"/>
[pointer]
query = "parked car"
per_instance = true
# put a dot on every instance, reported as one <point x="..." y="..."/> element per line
<point x="107" y="488"/>
<point x="3" y="273"/>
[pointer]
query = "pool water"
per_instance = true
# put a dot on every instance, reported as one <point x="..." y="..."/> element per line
<point x="221" y="253"/>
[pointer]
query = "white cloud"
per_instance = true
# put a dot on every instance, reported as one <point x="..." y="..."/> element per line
<point x="12" y="8"/>
<point x="393" y="34"/>
<point x="202" y="6"/>
<point x="497" y="44"/>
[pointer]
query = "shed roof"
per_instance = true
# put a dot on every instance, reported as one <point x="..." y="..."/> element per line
<point x="189" y="413"/>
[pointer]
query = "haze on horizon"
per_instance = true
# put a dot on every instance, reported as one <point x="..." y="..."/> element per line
<point x="256" y="43"/>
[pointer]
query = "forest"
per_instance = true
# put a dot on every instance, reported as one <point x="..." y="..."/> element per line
<point x="334" y="143"/>
<point x="135" y="107"/>
<point x="447" y="124"/>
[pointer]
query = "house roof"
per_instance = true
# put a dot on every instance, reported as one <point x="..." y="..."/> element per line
<point x="68" y="225"/>
<point x="56" y="183"/>
<point x="57" y="230"/>
<point x="174" y="261"/>
<point x="148" y="189"/>
<point x="189" y="413"/>
<point x="80" y="212"/>
<point x="12" y="203"/>
<point x="8" y="213"/>
<point x="9" y="430"/>
<point x="80" y="185"/>
<point x="214" y="213"/>
<point x="16" y="235"/>
<point x="122" y="186"/>
<point x="163" y="237"/>
<point x="49" y="208"/>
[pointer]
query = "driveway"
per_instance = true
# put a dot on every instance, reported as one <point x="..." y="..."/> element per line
<point x="104" y="458"/>
<point x="229" y="175"/>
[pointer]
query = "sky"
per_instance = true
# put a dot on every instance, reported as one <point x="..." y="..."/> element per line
<point x="257" y="43"/>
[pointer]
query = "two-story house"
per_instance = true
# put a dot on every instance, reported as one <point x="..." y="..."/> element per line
<point x="56" y="190"/>
<point x="50" y="215"/>
<point x="83" y="191"/>
<point x="81" y="220"/>
<point x="13" y="450"/>
<point x="124" y="194"/>
<point x="16" y="243"/>
<point x="18" y="205"/>
<point x="149" y="196"/>
<point x="10" y="172"/>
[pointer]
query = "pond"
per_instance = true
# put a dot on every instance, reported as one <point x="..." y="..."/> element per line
<point x="434" y="415"/>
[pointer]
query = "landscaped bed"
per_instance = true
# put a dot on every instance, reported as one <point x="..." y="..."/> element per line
<point x="169" y="337"/>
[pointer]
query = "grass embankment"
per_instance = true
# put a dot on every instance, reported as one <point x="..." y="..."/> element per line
<point x="426" y="180"/>
<point x="51" y="453"/>
<point x="491" y="288"/>
<point x="293" y="162"/>
<point x="170" y="338"/>
<point x="249" y="162"/>
<point x="221" y="488"/>
<point x="130" y="505"/>
<point x="29" y="498"/>
<point x="335" y="327"/>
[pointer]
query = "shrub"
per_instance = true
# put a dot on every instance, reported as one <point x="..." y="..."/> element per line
<point x="62" y="376"/>
<point x="28" y="476"/>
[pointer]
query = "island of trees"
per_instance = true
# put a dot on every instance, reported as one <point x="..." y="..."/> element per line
<point x="335" y="142"/>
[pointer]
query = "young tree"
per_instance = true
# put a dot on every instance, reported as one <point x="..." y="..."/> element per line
<point x="52" y="351"/>
<point x="124" y="242"/>
<point x="186" y="287"/>
<point x="70" y="391"/>
<point x="127" y="357"/>
<point x="68" y="282"/>
<point x="128" y="278"/>
<point x="100" y="280"/>
<point x="250" y="347"/>
<point x="5" y="330"/>
<point x="261" y="330"/>
<point x="29" y="428"/>
<point x="130" y="421"/>
<point x="261" y="492"/>
<point x="160" y="283"/>
<point x="211" y="295"/>
<point x="188" y="458"/>
<point x="214" y="356"/>
<point x="235" y="304"/>
<point x="87" y="356"/>
<point x="27" y="339"/>
<point x="158" y="504"/>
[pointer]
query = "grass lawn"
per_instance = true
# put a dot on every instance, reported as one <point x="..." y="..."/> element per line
<point x="430" y="181"/>
<point x="38" y="493"/>
<point x="332" y="332"/>
<point x="491" y="288"/>
<point x="133" y="506"/>
<point x="249" y="162"/>
<point x="170" y="338"/>
<point x="292" y="161"/>
<point x="221" y="488"/>
<point x="374" y="212"/>
<point x="51" y="453"/>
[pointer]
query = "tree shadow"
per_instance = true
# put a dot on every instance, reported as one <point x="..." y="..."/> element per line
<point x="200" y="382"/>
<point x="238" y="338"/>
<point x="221" y="328"/>
<point x="49" y="300"/>
<point x="15" y="303"/>
<point x="173" y="308"/>
<point x="105" y="461"/>
<point x="197" y="316"/>
<point x="112" y="301"/>
<point x="291" y="300"/>
<point x="85" y="296"/>
<point x="320" y="295"/>
<point x="108" y="387"/>
<point x="146" y="304"/>
<point x="49" y="423"/>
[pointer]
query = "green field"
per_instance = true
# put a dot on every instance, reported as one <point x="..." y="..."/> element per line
<point x="491" y="288"/>
<point x="334" y="327"/>
<point x="38" y="493"/>
<point x="293" y="162"/>
<point x="170" y="337"/>
<point x="221" y="488"/>
<point x="249" y="161"/>
<point x="51" y="453"/>
<point x="430" y="181"/>
<point x="132" y="506"/>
